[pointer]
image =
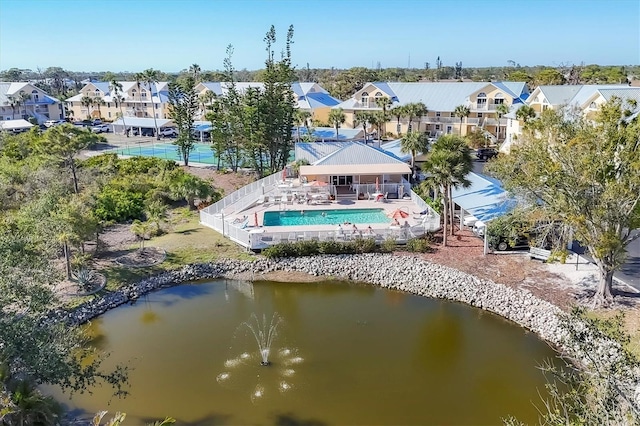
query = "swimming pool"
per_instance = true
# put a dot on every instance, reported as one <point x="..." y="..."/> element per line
<point x="325" y="217"/>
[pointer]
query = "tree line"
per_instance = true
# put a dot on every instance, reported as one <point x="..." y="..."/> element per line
<point x="342" y="83"/>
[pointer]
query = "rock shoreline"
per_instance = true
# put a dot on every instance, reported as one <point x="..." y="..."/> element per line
<point x="404" y="273"/>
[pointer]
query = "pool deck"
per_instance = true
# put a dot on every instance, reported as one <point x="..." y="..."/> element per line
<point x="388" y="206"/>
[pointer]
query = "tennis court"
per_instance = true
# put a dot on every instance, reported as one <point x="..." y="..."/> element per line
<point x="202" y="152"/>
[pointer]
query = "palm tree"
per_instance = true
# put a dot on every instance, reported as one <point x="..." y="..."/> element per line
<point x="98" y="102"/>
<point x="195" y="71"/>
<point x="501" y="110"/>
<point x="12" y="102"/>
<point x="141" y="230"/>
<point x="139" y="78"/>
<point x="448" y="164"/>
<point x="462" y="111"/>
<point x="87" y="101"/>
<point x="378" y="120"/>
<point x="398" y="112"/>
<point x="526" y="114"/>
<point x="301" y="118"/>
<point x="413" y="142"/>
<point x="415" y="110"/>
<point x="336" y="118"/>
<point x="23" y="98"/>
<point x="362" y="118"/>
<point x="150" y="77"/>
<point x="206" y="99"/>
<point x="384" y="103"/>
<point x="118" y="99"/>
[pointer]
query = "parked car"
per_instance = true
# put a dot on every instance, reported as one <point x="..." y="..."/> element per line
<point x="519" y="243"/>
<point x="96" y="122"/>
<point x="145" y="132"/>
<point x="168" y="132"/>
<point x="486" y="153"/>
<point x="51" y="123"/>
<point x="101" y="128"/>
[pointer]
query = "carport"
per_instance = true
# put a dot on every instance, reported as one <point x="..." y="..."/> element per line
<point x="140" y="124"/>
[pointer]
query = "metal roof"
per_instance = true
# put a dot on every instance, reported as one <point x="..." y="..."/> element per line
<point x="144" y="122"/>
<point x="437" y="96"/>
<point x="588" y="90"/>
<point x="15" y="124"/>
<point x="357" y="169"/>
<point x="329" y="133"/>
<point x="317" y="100"/>
<point x="393" y="147"/>
<point x="313" y="151"/>
<point x="630" y="93"/>
<point x="356" y="153"/>
<point x="486" y="199"/>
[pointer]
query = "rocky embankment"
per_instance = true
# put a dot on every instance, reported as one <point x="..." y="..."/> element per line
<point x="404" y="273"/>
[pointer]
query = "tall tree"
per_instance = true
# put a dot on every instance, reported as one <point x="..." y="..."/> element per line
<point x="362" y="118"/>
<point x="23" y="98"/>
<point x="195" y="72"/>
<point x="150" y="78"/>
<point x="448" y="163"/>
<point x="462" y="111"/>
<point x="415" y="111"/>
<point x="501" y="110"/>
<point x="13" y="103"/>
<point x="63" y="143"/>
<point x="336" y="119"/>
<point x="587" y="173"/>
<point x="413" y="143"/>
<point x="183" y="106"/>
<point x="118" y="99"/>
<point x="302" y="119"/>
<point x="398" y="112"/>
<point x="526" y="114"/>
<point x="87" y="101"/>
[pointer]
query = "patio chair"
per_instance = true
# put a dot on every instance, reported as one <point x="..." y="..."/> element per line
<point x="322" y="236"/>
<point x="385" y="199"/>
<point x="293" y="237"/>
<point x="369" y="196"/>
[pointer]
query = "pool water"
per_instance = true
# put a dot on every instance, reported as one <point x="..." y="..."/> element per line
<point x="324" y="217"/>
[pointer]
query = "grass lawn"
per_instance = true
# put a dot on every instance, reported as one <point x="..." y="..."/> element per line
<point x="185" y="242"/>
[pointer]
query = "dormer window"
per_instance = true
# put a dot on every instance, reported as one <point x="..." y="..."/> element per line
<point x="364" y="98"/>
<point x="481" y="102"/>
<point x="34" y="95"/>
<point x="593" y="105"/>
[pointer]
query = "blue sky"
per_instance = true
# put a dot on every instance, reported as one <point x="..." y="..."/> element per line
<point x="132" y="35"/>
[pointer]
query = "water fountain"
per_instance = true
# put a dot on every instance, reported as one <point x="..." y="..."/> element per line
<point x="264" y="333"/>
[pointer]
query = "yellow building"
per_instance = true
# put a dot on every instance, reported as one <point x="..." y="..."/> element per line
<point x="307" y="96"/>
<point x="20" y="100"/>
<point x="441" y="100"/>
<point x="131" y="99"/>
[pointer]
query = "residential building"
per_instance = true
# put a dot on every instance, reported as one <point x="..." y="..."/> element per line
<point x="307" y="96"/>
<point x="137" y="99"/>
<point x="441" y="99"/>
<point x="586" y="99"/>
<point x="21" y="100"/>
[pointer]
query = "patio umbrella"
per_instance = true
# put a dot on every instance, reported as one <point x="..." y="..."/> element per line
<point x="377" y="184"/>
<point x="318" y="183"/>
<point x="398" y="214"/>
<point x="255" y="219"/>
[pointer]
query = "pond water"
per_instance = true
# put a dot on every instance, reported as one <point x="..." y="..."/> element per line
<point x="344" y="353"/>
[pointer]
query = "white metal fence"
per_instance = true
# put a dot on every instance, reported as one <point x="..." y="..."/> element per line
<point x="215" y="217"/>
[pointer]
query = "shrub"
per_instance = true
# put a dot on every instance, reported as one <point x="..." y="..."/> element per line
<point x="119" y="204"/>
<point x="330" y="247"/>
<point x="365" y="245"/>
<point x="418" y="245"/>
<point x="280" y="250"/>
<point x="388" y="245"/>
<point x="306" y="248"/>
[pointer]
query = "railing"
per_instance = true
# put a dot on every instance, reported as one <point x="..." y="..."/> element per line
<point x="213" y="216"/>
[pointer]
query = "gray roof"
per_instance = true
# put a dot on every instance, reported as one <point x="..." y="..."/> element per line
<point x="558" y="95"/>
<point x="343" y="153"/>
<point x="631" y="93"/>
<point x="356" y="153"/>
<point x="11" y="88"/>
<point x="587" y="90"/>
<point x="438" y="96"/>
